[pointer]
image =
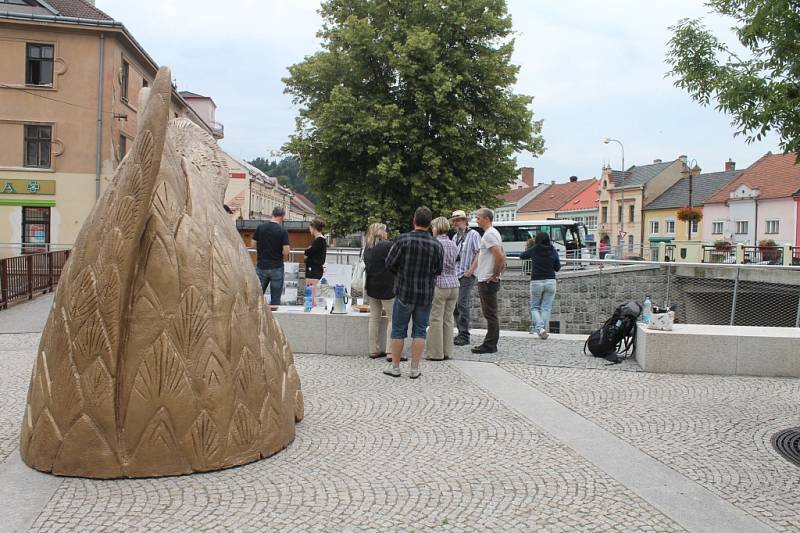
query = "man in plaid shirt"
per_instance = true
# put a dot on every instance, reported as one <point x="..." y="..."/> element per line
<point x="415" y="259"/>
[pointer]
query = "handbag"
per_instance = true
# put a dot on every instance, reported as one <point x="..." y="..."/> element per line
<point x="358" y="281"/>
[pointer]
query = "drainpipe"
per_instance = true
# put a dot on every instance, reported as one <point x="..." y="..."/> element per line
<point x="98" y="156"/>
<point x="755" y="228"/>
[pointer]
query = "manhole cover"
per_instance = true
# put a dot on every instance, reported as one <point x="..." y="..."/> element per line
<point x="787" y="443"/>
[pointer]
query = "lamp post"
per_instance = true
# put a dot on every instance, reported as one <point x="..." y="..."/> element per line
<point x="691" y="173"/>
<point x="621" y="233"/>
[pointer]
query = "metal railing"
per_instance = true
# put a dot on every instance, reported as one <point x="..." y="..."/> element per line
<point x="719" y="254"/>
<point x="725" y="294"/>
<point x="24" y="276"/>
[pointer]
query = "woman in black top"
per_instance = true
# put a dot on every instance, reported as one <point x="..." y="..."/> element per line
<point x="544" y="265"/>
<point x="315" y="257"/>
<point x="379" y="287"/>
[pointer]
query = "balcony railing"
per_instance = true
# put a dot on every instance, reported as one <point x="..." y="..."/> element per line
<point x="24" y="276"/>
<point x="217" y="130"/>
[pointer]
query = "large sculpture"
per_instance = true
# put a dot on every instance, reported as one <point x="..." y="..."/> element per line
<point x="159" y="356"/>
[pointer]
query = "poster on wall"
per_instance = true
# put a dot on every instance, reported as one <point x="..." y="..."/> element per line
<point x="291" y="281"/>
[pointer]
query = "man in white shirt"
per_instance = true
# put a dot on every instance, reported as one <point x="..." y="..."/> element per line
<point x="491" y="263"/>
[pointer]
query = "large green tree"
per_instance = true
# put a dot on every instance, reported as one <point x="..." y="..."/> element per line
<point x="409" y="103"/>
<point x="758" y="86"/>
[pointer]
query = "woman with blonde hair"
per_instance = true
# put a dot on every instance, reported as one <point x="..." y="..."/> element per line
<point x="445" y="297"/>
<point x="379" y="287"/>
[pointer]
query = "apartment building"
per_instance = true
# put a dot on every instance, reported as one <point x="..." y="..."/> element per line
<point x="70" y="79"/>
<point x="622" y="196"/>
<point x="759" y="205"/>
<point x="661" y="223"/>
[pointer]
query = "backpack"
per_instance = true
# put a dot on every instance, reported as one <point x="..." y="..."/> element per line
<point x="617" y="336"/>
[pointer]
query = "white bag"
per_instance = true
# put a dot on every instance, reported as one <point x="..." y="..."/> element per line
<point x="358" y="281"/>
<point x="662" y="321"/>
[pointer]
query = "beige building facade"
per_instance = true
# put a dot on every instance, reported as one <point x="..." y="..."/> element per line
<point x="252" y="195"/>
<point x="620" y="209"/>
<point x="69" y="101"/>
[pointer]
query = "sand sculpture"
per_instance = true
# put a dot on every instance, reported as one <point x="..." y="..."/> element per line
<point x="159" y="356"/>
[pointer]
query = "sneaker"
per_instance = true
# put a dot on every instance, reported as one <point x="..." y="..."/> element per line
<point x="393" y="371"/>
<point x="543" y="334"/>
<point x="460" y="341"/>
<point x="414" y="373"/>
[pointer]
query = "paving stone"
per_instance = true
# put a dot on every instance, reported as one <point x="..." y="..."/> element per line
<point x="375" y="454"/>
<point x="715" y="430"/>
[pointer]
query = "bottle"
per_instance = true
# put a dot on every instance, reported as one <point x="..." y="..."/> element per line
<point x="647" y="310"/>
<point x="307" y="300"/>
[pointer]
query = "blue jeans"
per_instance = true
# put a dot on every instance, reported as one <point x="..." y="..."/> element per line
<point x="543" y="292"/>
<point x="402" y="313"/>
<point x="274" y="278"/>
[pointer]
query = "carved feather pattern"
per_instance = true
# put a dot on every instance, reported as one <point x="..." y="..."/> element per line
<point x="190" y="325"/>
<point x="159" y="351"/>
<point x="161" y="375"/>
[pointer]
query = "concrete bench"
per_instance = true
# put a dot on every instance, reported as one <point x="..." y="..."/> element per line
<point x="720" y="350"/>
<point x="322" y="332"/>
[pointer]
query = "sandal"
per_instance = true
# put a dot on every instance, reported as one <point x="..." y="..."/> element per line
<point x="377" y="355"/>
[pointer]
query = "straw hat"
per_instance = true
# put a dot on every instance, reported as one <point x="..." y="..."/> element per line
<point x="458" y="213"/>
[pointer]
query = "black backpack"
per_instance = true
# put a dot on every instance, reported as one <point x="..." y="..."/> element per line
<point x="617" y="336"/>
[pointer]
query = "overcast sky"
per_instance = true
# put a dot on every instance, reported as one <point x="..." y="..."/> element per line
<point x="596" y="69"/>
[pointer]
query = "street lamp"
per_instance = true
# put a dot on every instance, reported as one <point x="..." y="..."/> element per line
<point x="621" y="234"/>
<point x="691" y="173"/>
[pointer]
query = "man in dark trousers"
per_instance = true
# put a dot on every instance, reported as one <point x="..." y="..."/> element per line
<point x="415" y="259"/>
<point x="272" y="250"/>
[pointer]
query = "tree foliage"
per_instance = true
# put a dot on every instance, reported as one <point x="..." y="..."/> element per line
<point x="762" y="90"/>
<point x="288" y="172"/>
<point x="409" y="103"/>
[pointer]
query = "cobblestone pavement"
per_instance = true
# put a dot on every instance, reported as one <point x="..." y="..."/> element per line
<point x="16" y="361"/>
<point x="376" y="453"/>
<point x="519" y="347"/>
<point x="714" y="430"/>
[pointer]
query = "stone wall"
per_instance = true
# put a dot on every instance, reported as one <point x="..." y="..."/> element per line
<point x="584" y="299"/>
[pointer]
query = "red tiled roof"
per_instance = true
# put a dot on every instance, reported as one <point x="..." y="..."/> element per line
<point x="78" y="9"/>
<point x="556" y="195"/>
<point x="587" y="199"/>
<point x="515" y="194"/>
<point x="775" y="175"/>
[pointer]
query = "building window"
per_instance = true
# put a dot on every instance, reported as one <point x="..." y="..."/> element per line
<point x="605" y="215"/>
<point x="631" y="211"/>
<point x="695" y="227"/>
<point x="591" y="221"/>
<point x="35" y="229"/>
<point x="741" y="227"/>
<point x="654" y="227"/>
<point x="630" y="242"/>
<point x="717" y="227"/>
<point x="123" y="80"/>
<point x="773" y="227"/>
<point x="123" y="147"/>
<point x="145" y="83"/>
<point x="669" y="227"/>
<point x="39" y="65"/>
<point x="37" y="146"/>
<point x="619" y="213"/>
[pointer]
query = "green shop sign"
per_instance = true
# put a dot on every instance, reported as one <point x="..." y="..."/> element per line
<point x="39" y="187"/>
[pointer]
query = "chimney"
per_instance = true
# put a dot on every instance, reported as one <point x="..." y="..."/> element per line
<point x="91" y="2"/>
<point x="526" y="173"/>
<point x="552" y="182"/>
<point x="656" y="161"/>
<point x="730" y="164"/>
<point x="573" y="179"/>
<point x="684" y="158"/>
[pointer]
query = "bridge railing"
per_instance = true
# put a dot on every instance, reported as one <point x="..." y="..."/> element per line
<point x="588" y="291"/>
<point x="24" y="276"/>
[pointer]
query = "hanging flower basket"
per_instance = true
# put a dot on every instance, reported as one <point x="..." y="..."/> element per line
<point x="690" y="214"/>
<point x="722" y="246"/>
